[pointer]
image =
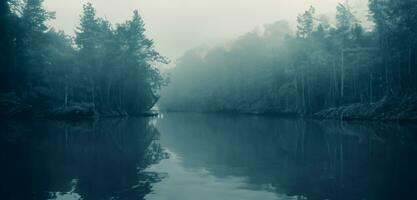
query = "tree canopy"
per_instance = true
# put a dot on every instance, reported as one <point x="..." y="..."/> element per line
<point x="111" y="67"/>
<point x="323" y="65"/>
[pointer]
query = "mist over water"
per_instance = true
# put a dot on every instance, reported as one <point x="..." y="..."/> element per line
<point x="208" y="99"/>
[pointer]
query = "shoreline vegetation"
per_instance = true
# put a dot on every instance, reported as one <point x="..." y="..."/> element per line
<point x="103" y="70"/>
<point x="12" y="108"/>
<point x="387" y="109"/>
<point x="328" y="68"/>
<point x="402" y="109"/>
<point x="391" y="109"/>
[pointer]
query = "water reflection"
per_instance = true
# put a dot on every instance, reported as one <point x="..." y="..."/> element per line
<point x="90" y="160"/>
<point x="205" y="157"/>
<point x="293" y="158"/>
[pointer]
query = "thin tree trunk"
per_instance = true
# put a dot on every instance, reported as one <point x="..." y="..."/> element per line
<point x="93" y="94"/>
<point x="307" y="89"/>
<point x="121" y="96"/>
<point x="342" y="75"/>
<point x="303" y="90"/>
<point x="410" y="77"/>
<point x="371" y="90"/>
<point x="409" y="61"/>
<point x="109" y="84"/>
<point x="400" y="80"/>
<point x="387" y="87"/>
<point x="335" y="80"/>
<point x="297" y="90"/>
<point x="66" y="95"/>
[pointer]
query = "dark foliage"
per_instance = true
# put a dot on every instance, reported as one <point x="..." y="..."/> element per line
<point x="105" y="66"/>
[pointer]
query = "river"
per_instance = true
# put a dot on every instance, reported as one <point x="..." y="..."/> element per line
<point x="191" y="156"/>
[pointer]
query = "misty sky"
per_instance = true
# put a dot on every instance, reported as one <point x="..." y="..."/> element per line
<point x="179" y="25"/>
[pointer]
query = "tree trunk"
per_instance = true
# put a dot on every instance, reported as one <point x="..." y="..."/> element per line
<point x="400" y="80"/>
<point x="66" y="95"/>
<point x="121" y="96"/>
<point x="387" y="87"/>
<point x="409" y="60"/>
<point x="109" y="84"/>
<point x="342" y="76"/>
<point x="303" y="89"/>
<point x="297" y="90"/>
<point x="335" y="81"/>
<point x="93" y="94"/>
<point x="371" y="90"/>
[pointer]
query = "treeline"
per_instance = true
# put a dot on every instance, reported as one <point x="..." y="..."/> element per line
<point x="321" y="65"/>
<point x="110" y="69"/>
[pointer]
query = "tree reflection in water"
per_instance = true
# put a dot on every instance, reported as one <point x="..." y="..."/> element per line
<point x="213" y="157"/>
<point x="295" y="157"/>
<point x="94" y="160"/>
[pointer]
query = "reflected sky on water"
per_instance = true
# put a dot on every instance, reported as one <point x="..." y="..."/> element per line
<point x="207" y="156"/>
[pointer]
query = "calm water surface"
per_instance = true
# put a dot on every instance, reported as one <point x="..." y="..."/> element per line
<point x="207" y="157"/>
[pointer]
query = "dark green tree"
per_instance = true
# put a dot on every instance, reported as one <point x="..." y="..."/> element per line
<point x="31" y="55"/>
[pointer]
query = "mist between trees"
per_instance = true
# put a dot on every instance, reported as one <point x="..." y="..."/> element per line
<point x="317" y="66"/>
<point x="105" y="68"/>
<point x="111" y="68"/>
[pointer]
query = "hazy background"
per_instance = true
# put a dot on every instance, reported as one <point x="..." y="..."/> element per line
<point x="178" y="25"/>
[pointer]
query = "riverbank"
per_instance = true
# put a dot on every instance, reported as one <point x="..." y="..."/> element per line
<point x="84" y="110"/>
<point x="13" y="107"/>
<point x="386" y="109"/>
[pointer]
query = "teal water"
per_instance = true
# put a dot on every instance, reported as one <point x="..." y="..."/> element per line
<point x="206" y="156"/>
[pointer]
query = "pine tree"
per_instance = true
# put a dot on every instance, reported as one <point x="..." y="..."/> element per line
<point x="31" y="56"/>
<point x="306" y="23"/>
<point x="141" y="78"/>
<point x="87" y="40"/>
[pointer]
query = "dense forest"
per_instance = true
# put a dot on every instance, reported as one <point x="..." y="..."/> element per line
<point x="326" y="63"/>
<point x="105" y="69"/>
<point x="329" y="67"/>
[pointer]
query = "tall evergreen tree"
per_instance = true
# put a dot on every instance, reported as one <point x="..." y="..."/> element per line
<point x="306" y="23"/>
<point x="31" y="54"/>
<point x="6" y="46"/>
<point x="142" y="79"/>
<point x="87" y="39"/>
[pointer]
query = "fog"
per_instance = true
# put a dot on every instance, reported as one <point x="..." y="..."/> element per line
<point x="179" y="25"/>
<point x="208" y="99"/>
